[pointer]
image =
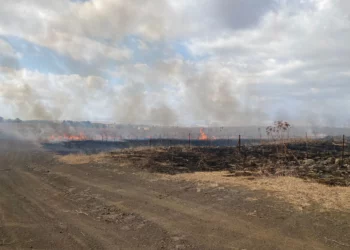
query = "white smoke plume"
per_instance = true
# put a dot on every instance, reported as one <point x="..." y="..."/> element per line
<point x="175" y="62"/>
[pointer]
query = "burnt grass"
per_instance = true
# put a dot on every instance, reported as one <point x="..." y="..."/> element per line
<point x="96" y="146"/>
<point x="318" y="160"/>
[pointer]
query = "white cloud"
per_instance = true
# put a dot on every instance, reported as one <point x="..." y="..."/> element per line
<point x="290" y="45"/>
<point x="81" y="48"/>
<point x="51" y="24"/>
<point x="116" y="18"/>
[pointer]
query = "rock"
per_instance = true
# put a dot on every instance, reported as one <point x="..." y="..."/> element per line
<point x="330" y="160"/>
<point x="312" y="175"/>
<point x="338" y="161"/>
<point x="344" y="167"/>
<point x="309" y="162"/>
<point x="322" y="163"/>
<point x="338" y="173"/>
<point x="322" y="176"/>
<point x="110" y="217"/>
<point x="339" y="181"/>
<point x="311" y="167"/>
<point x="125" y="228"/>
<point x="252" y="163"/>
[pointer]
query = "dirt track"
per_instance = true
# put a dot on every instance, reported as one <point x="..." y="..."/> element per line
<point x="45" y="204"/>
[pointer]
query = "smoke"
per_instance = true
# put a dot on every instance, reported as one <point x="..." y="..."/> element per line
<point x="33" y="95"/>
<point x="179" y="92"/>
<point x="215" y="93"/>
<point x="26" y="103"/>
<point x="129" y="104"/>
<point x="133" y="103"/>
<point x="163" y="115"/>
<point x="204" y="71"/>
<point x="210" y="97"/>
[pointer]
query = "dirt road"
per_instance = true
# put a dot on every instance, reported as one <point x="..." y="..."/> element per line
<point x="45" y="204"/>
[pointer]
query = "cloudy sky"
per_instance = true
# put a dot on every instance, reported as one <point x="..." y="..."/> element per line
<point x="227" y="62"/>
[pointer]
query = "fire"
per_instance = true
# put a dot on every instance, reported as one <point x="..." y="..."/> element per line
<point x="67" y="137"/>
<point x="203" y="135"/>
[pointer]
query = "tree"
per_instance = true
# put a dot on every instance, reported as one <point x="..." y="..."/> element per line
<point x="278" y="130"/>
<point x="277" y="133"/>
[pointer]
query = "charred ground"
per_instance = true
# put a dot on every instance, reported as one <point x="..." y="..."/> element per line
<point x="171" y="197"/>
<point x="320" y="160"/>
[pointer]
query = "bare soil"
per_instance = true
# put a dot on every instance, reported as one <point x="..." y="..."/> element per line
<point x="117" y="201"/>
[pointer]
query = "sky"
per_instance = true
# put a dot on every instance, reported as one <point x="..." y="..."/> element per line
<point x="183" y="62"/>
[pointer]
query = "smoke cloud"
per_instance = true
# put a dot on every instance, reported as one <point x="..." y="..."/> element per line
<point x="175" y="62"/>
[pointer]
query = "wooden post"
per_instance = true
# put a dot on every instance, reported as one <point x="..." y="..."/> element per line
<point x="239" y="143"/>
<point x="306" y="145"/>
<point x="342" y="156"/>
<point x="260" y="135"/>
<point x="285" y="148"/>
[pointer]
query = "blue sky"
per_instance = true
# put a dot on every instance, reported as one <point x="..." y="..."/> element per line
<point x="229" y="62"/>
<point x="39" y="58"/>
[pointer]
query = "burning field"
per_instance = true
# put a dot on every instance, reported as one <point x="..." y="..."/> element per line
<point x="169" y="194"/>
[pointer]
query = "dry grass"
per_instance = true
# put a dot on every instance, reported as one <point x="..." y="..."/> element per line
<point x="77" y="159"/>
<point x="296" y="191"/>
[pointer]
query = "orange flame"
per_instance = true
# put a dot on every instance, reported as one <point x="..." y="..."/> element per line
<point x="202" y="136"/>
<point x="67" y="137"/>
